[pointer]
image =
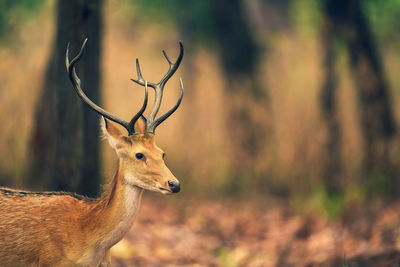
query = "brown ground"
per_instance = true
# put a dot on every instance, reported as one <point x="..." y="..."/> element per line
<point x="250" y="233"/>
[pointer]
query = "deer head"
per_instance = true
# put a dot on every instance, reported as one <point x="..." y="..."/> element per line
<point x="141" y="161"/>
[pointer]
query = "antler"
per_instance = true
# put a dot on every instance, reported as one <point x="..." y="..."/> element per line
<point x="76" y="82"/>
<point x="159" y="90"/>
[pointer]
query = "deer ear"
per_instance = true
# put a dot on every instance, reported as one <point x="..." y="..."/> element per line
<point x="111" y="132"/>
<point x="140" y="125"/>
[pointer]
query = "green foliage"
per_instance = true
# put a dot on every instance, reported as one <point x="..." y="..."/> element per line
<point x="306" y="15"/>
<point x="192" y="17"/>
<point x="334" y="204"/>
<point x="13" y="12"/>
<point x="331" y="204"/>
<point x="385" y="18"/>
<point x="237" y="184"/>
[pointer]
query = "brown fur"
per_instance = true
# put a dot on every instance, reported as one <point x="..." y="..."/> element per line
<point x="53" y="229"/>
<point x="65" y="229"/>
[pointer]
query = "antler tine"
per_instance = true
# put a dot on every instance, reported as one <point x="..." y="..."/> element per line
<point x="140" y="79"/>
<point x="139" y="72"/>
<point x="140" y="113"/>
<point x="153" y="126"/>
<point x="76" y="82"/>
<point x="159" y="89"/>
<point x="172" y="66"/>
<point x="166" y="56"/>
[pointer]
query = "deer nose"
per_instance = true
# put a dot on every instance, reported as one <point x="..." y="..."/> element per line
<point x="174" y="186"/>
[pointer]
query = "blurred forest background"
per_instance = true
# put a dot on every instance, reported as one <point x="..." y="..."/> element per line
<point x="289" y="119"/>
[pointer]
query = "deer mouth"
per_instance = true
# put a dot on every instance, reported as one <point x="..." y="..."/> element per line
<point x="165" y="191"/>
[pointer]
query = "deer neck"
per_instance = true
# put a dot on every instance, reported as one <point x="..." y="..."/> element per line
<point x="115" y="211"/>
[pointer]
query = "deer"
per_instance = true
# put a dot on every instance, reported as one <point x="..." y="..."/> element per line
<point x="67" y="229"/>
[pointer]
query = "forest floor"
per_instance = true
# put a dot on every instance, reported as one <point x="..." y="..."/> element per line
<point x="253" y="233"/>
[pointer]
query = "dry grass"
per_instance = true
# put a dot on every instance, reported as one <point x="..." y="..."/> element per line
<point x="23" y="61"/>
<point x="256" y="233"/>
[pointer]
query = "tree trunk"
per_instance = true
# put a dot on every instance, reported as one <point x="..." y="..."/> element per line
<point x="332" y="167"/>
<point x="239" y="59"/>
<point x="237" y="46"/>
<point x="376" y="117"/>
<point x="377" y="121"/>
<point x="64" y="146"/>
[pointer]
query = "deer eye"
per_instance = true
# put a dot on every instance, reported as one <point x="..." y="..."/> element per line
<point x="163" y="155"/>
<point x="139" y="156"/>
